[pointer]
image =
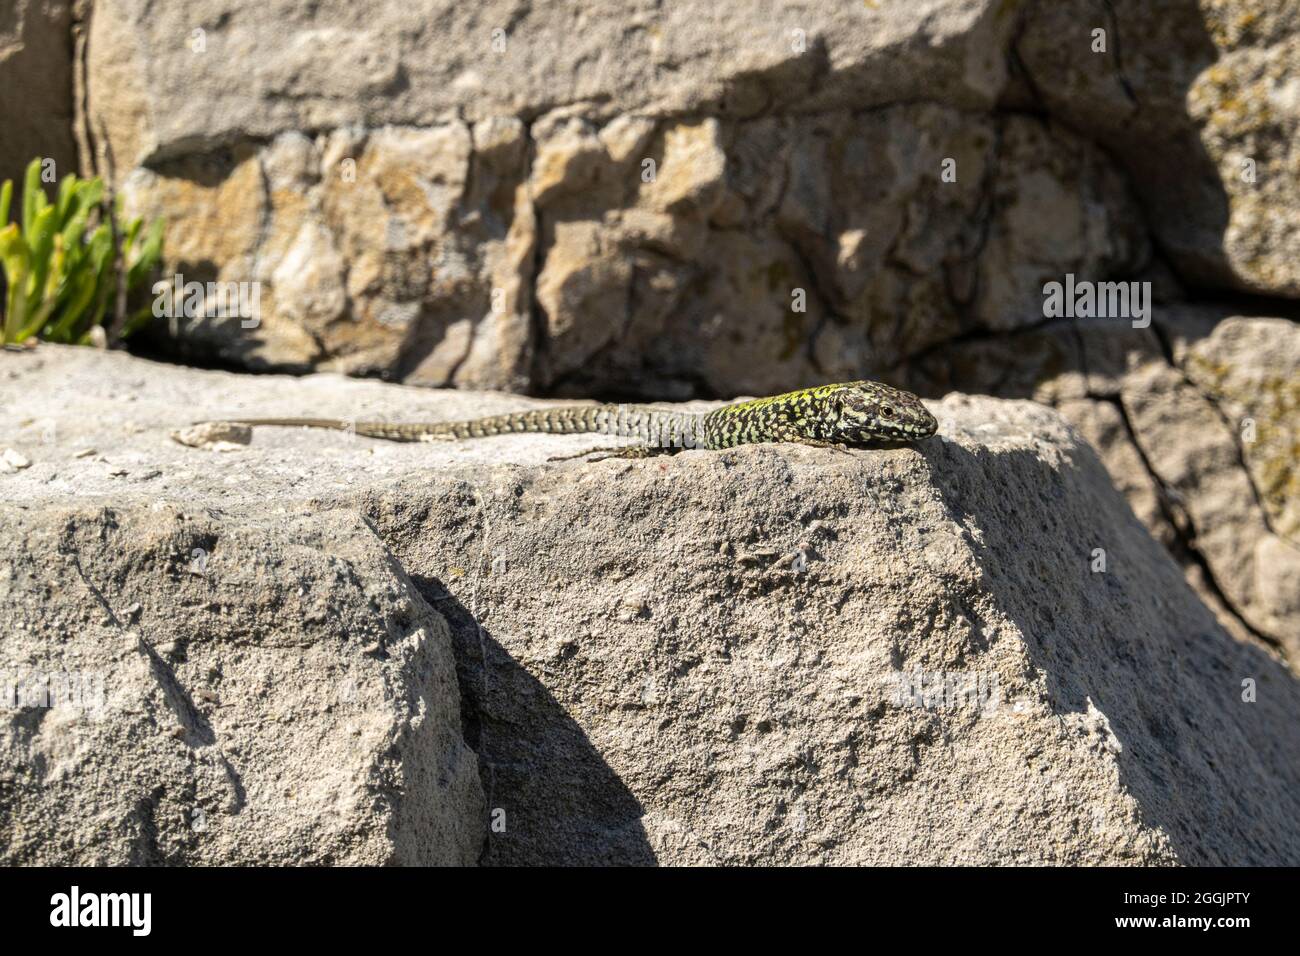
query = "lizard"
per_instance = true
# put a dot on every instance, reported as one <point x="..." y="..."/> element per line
<point x="849" y="414"/>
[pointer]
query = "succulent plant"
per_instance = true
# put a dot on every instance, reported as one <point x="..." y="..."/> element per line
<point x="61" y="263"/>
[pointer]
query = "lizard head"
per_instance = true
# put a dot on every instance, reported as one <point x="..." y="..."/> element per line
<point x="871" y="413"/>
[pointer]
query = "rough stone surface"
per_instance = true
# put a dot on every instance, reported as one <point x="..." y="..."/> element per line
<point x="692" y="202"/>
<point x="337" y="65"/>
<point x="1200" y="100"/>
<point x="188" y="680"/>
<point x="1196" y="422"/>
<point x="702" y="658"/>
<point x="406" y="251"/>
<point x="1250" y="370"/>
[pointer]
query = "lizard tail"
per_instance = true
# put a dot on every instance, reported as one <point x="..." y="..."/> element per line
<point x="385" y="430"/>
<point x="337" y="424"/>
<point x="651" y="425"/>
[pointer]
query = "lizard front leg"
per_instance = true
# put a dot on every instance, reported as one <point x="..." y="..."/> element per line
<point x="818" y="443"/>
<point x="796" y="437"/>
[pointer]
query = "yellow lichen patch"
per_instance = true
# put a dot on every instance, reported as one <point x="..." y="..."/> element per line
<point x="1237" y="23"/>
<point x="690" y="175"/>
<point x="1263" y="409"/>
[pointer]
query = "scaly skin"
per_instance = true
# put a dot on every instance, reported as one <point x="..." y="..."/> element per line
<point x="852" y="414"/>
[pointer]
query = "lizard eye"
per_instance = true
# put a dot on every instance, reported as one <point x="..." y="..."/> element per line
<point x="886" y="411"/>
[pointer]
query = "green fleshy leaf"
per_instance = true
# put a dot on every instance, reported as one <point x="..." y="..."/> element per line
<point x="17" y="261"/>
<point x="69" y="191"/>
<point x="85" y="287"/>
<point x="33" y="194"/>
<point x="40" y="241"/>
<point x="62" y="279"/>
<point x="81" y="294"/>
<point x="148" y="257"/>
<point x="35" y="321"/>
<point x="92" y="192"/>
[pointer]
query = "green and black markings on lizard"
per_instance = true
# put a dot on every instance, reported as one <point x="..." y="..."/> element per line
<point x="851" y="414"/>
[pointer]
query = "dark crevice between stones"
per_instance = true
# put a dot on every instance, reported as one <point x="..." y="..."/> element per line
<point x="539" y="341"/>
<point x="1183" y="528"/>
<point x="83" y="133"/>
<point x="1166" y="348"/>
<point x="970" y="337"/>
<point x="1119" y="56"/>
<point x="1021" y="91"/>
<point x="464" y="629"/>
<point x="985" y="216"/>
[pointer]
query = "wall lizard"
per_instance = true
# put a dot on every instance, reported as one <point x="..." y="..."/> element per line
<point x="850" y="414"/>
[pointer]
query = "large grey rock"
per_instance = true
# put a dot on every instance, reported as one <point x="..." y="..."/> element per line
<point x="696" y="201"/>
<point x="184" y="682"/>
<point x="337" y="65"/>
<point x="713" y="657"/>
<point x="496" y="223"/>
<point x="756" y="256"/>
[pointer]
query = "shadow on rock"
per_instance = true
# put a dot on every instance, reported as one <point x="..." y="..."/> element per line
<point x="552" y="799"/>
<point x="1203" y="727"/>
